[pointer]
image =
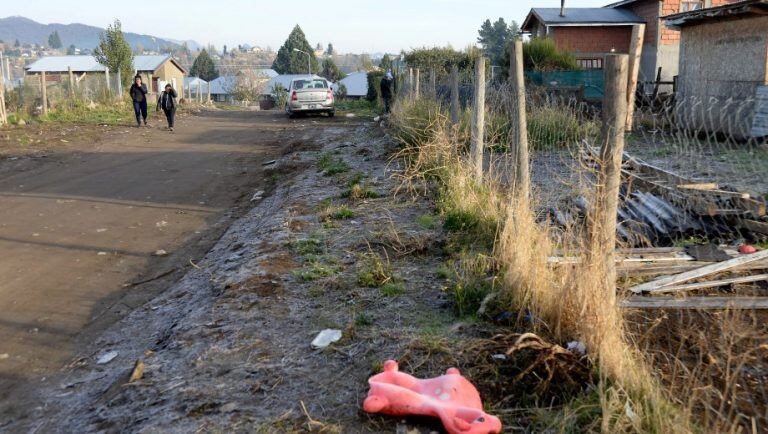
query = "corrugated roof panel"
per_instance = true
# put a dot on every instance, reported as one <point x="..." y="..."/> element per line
<point x="356" y="83"/>
<point x="551" y="16"/>
<point x="62" y="63"/>
<point x="149" y="63"/>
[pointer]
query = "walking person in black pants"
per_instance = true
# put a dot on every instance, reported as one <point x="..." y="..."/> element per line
<point x="167" y="102"/>
<point x="138" y="94"/>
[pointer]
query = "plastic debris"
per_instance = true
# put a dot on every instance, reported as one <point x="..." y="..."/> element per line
<point x="106" y="357"/>
<point x="450" y="397"/>
<point x="577" y="347"/>
<point x="326" y="337"/>
<point x="746" y="249"/>
<point x="160" y="252"/>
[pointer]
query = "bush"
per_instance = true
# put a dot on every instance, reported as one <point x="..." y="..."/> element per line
<point x="553" y="126"/>
<point x="541" y="54"/>
<point x="374" y="90"/>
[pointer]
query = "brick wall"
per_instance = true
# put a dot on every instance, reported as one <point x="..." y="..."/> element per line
<point x="649" y="11"/>
<point x="593" y="39"/>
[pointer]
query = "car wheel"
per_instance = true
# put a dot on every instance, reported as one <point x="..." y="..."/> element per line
<point x="331" y="114"/>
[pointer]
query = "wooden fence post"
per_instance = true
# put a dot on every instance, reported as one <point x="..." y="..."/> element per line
<point x="635" y="53"/>
<point x="209" y="92"/>
<point x="603" y="224"/>
<point x="106" y="77"/>
<point x="119" y="84"/>
<point x="455" y="95"/>
<point x="522" y="177"/>
<point x="410" y="83"/>
<point x="478" y="120"/>
<point x="417" y="84"/>
<point x="3" y="112"/>
<point x="200" y="90"/>
<point x="432" y="83"/>
<point x="71" y="83"/>
<point x="149" y="84"/>
<point x="44" y="92"/>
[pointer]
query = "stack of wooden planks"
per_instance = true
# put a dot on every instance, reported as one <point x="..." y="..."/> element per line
<point x="682" y="281"/>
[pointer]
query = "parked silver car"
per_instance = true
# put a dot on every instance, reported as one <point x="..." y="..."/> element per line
<point x="310" y="95"/>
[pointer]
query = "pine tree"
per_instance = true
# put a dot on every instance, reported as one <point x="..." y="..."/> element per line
<point x="330" y="70"/>
<point x="71" y="50"/>
<point x="386" y="63"/>
<point x="225" y="49"/>
<point x="17" y="44"/>
<point x="495" y="38"/>
<point x="329" y="51"/>
<point x="204" y="67"/>
<point x="289" y="61"/>
<point x="115" y="53"/>
<point x="54" y="41"/>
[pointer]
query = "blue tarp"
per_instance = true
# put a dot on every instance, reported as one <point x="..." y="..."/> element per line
<point x="593" y="80"/>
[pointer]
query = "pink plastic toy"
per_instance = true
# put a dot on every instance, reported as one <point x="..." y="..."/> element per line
<point x="450" y="397"/>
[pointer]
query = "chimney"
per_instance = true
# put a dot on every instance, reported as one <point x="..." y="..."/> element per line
<point x="562" y="8"/>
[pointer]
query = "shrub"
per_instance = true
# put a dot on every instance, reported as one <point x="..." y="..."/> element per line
<point x="541" y="54"/>
<point x="558" y="125"/>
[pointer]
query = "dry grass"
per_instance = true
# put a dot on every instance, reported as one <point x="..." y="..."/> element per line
<point x="571" y="303"/>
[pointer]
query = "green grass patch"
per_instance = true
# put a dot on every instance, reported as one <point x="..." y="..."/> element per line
<point x="342" y="213"/>
<point x="310" y="246"/>
<point x="392" y="289"/>
<point x="360" y="107"/>
<point x="100" y="115"/>
<point x="427" y="221"/>
<point x="374" y="272"/>
<point x="331" y="165"/>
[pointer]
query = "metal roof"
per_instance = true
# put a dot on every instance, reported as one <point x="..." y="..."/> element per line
<point x="743" y="9"/>
<point x="581" y="17"/>
<point x="356" y="83"/>
<point x="63" y="63"/>
<point x="89" y="63"/>
<point x="222" y="85"/>
<point x="621" y="3"/>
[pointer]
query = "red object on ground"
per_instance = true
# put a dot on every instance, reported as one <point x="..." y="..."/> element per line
<point x="450" y="397"/>
<point x="746" y="249"/>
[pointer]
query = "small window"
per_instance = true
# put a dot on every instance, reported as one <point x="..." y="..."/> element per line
<point x="596" y="63"/>
<point x="691" y="5"/>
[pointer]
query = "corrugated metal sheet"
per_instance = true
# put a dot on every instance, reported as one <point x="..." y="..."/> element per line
<point x="89" y="63"/>
<point x="356" y="83"/>
<point x="222" y="85"/>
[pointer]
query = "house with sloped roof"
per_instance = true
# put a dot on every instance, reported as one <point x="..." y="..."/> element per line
<point x="587" y="33"/>
<point x="356" y="84"/>
<point x="156" y="71"/>
<point x="661" y="43"/>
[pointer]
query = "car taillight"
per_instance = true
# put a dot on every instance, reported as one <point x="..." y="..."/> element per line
<point x="330" y="95"/>
<point x="294" y="97"/>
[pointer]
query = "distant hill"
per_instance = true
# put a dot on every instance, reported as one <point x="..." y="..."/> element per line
<point x="82" y="36"/>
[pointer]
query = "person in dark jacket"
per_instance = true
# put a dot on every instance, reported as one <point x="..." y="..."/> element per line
<point x="386" y="91"/>
<point x="138" y="94"/>
<point x="167" y="102"/>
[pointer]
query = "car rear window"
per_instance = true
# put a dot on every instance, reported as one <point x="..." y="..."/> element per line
<point x="310" y="84"/>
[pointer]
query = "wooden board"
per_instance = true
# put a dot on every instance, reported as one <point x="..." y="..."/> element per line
<point x="760" y="122"/>
<point x="713" y="283"/>
<point x="695" y="303"/>
<point x="707" y="270"/>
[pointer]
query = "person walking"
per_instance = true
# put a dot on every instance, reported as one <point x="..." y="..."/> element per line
<point x="167" y="102"/>
<point x="138" y="94"/>
<point x="386" y="91"/>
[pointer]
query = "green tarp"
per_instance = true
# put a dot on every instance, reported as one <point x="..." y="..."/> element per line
<point x="593" y="80"/>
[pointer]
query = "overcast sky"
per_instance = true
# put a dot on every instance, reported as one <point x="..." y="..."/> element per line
<point x="351" y="25"/>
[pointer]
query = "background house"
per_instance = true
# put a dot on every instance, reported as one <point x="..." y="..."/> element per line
<point x="155" y="70"/>
<point x="661" y="44"/>
<point x="723" y="79"/>
<point x="588" y="33"/>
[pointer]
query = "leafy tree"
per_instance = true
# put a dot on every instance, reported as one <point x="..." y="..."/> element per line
<point x="440" y="59"/>
<point x="374" y="85"/>
<point x="204" y="67"/>
<point x="385" y="63"/>
<point x="330" y="70"/>
<point x="289" y="61"/>
<point x="114" y="52"/>
<point x="496" y="37"/>
<point x="54" y="41"/>
<point x="329" y="51"/>
<point x="71" y="50"/>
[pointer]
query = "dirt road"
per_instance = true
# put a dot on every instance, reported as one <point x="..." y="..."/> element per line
<point x="80" y="228"/>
